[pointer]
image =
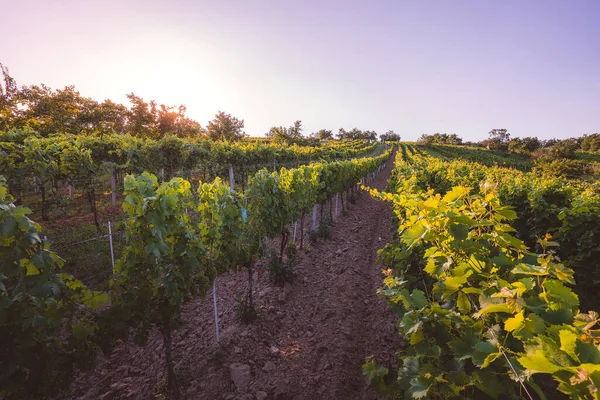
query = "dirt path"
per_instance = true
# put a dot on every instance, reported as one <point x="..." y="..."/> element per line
<point x="309" y="343"/>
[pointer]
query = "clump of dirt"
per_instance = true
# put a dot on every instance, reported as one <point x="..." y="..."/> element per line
<point x="309" y="342"/>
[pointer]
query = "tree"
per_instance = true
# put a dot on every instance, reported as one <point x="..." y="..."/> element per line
<point x="390" y="136"/>
<point x="591" y="142"/>
<point x="370" y="135"/>
<point x="356" y="133"/>
<point x="8" y="92"/>
<point x="563" y="149"/>
<point x="225" y="127"/>
<point x="498" y="139"/>
<point x="140" y="117"/>
<point x="526" y="145"/>
<point x="426" y="140"/>
<point x="46" y="317"/>
<point x="286" y="135"/>
<point x="440" y="138"/>
<point x="323" y="134"/>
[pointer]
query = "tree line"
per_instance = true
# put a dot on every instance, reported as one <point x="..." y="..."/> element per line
<point x="48" y="111"/>
<point x="500" y="140"/>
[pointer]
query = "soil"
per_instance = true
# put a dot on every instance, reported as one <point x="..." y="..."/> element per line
<point x="310" y="340"/>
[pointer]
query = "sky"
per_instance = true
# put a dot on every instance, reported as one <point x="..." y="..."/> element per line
<point x="419" y="66"/>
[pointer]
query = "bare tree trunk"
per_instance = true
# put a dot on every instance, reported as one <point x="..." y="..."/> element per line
<point x="92" y="198"/>
<point x="284" y="239"/>
<point x="44" y="210"/>
<point x="172" y="385"/>
<point x="250" y="268"/>
<point x="321" y="207"/>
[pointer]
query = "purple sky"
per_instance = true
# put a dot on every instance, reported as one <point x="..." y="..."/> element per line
<point x="424" y="66"/>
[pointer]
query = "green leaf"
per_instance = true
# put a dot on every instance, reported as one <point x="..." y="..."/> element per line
<point x="415" y="233"/>
<point x="9" y="226"/>
<point x="515" y="323"/>
<point x="453" y="283"/>
<point x="568" y="343"/>
<point x="459" y="231"/>
<point x="456" y="193"/>
<point x="562" y="273"/>
<point x="485" y="353"/>
<point x="506" y="213"/>
<point x="559" y="296"/>
<point x="418" y="299"/>
<point x="96" y="300"/>
<point x="528" y="269"/>
<point x="496" y="308"/>
<point x="463" y="303"/>
<point x="538" y="362"/>
<point x="533" y="325"/>
<point x="31" y="269"/>
<point x="419" y="387"/>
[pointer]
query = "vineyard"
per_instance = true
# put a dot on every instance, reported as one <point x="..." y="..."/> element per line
<point x="178" y="240"/>
<point x="490" y="270"/>
<point x="482" y="278"/>
<point x="74" y="185"/>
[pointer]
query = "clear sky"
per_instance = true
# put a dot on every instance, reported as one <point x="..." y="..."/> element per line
<point x="419" y="66"/>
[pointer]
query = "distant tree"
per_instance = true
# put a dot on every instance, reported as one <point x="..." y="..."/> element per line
<point x="295" y="131"/>
<point x="356" y="133"/>
<point x="531" y="144"/>
<point x="323" y="134"/>
<point x="140" y="117"/>
<point x="454" y="139"/>
<point x="369" y="135"/>
<point x="225" y="127"/>
<point x="549" y="143"/>
<point x="390" y="136"/>
<point x="591" y="142"/>
<point x="440" y="138"/>
<point x="8" y="95"/>
<point x="526" y="145"/>
<point x="112" y="116"/>
<point x="498" y="139"/>
<point x="426" y="140"/>
<point x="563" y="149"/>
<point x="286" y="135"/>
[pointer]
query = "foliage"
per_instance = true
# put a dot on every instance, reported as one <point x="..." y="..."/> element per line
<point x="440" y="138"/>
<point x="162" y="264"/>
<point x="490" y="314"/>
<point x="591" y="142"/>
<point x="225" y="127"/>
<point x="564" y="149"/>
<point x="562" y="168"/>
<point x="498" y="139"/>
<point x="356" y="133"/>
<point x="45" y="315"/>
<point x="525" y="145"/>
<point x="287" y="136"/>
<point x="481" y="156"/>
<point x="543" y="205"/>
<point x="323" y="134"/>
<point x="280" y="270"/>
<point x="390" y="136"/>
